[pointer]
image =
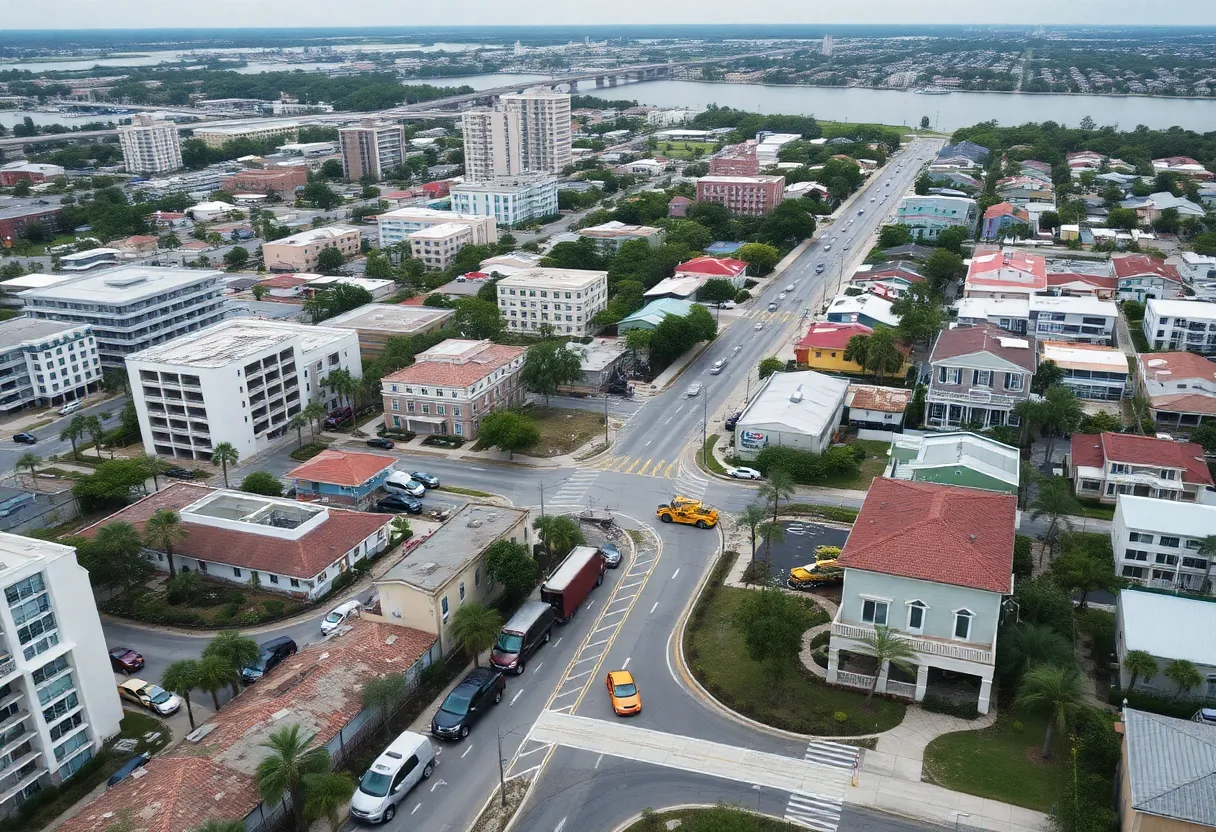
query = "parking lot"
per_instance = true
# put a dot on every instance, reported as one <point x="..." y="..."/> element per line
<point x="798" y="549"/>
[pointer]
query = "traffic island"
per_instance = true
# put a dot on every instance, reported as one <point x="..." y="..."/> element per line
<point x="706" y="819"/>
<point x="498" y="815"/>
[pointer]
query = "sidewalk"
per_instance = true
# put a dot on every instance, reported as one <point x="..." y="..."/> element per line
<point x="923" y="801"/>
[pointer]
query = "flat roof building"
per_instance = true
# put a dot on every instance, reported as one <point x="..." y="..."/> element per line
<point x="611" y="235"/>
<point x="1092" y="371"/>
<point x="149" y="145"/>
<point x="509" y="200"/>
<point x="566" y="299"/>
<point x="798" y="410"/>
<point x="437" y="246"/>
<point x="31" y="369"/>
<point x="372" y="148"/>
<point x="301" y="252"/>
<point x="746" y="195"/>
<point x="527" y="132"/>
<point x="397" y="226"/>
<point x="219" y="136"/>
<point x="375" y="323"/>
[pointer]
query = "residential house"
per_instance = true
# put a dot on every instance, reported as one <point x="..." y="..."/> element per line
<point x="1156" y="542"/>
<point x="1005" y="274"/>
<point x="799" y="410"/>
<point x="999" y="218"/>
<point x="974" y="153"/>
<point x="1180" y="387"/>
<point x="956" y="179"/>
<point x="452" y="386"/>
<point x="1084" y="319"/>
<point x="909" y="251"/>
<point x="1010" y="314"/>
<point x="979" y="374"/>
<point x="301" y="252"/>
<point x="448" y="569"/>
<point x="1142" y="277"/>
<point x="1148" y="621"/>
<point x="1081" y="284"/>
<point x="653" y="313"/>
<point x="680" y="287"/>
<point x="887" y="280"/>
<point x="601" y="361"/>
<point x="928" y="216"/>
<point x="824" y="345"/>
<point x="869" y="310"/>
<point x="1188" y="325"/>
<point x="711" y="268"/>
<point x="877" y="408"/>
<point x="1103" y="466"/>
<point x="341" y="477"/>
<point x="1183" y="166"/>
<point x="678" y="207"/>
<point x="934" y="562"/>
<point x="1022" y="189"/>
<point x="1092" y="371"/>
<point x="1165" y="774"/>
<point x="965" y="460"/>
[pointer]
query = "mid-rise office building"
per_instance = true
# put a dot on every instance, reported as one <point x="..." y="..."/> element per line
<point x="45" y="362"/>
<point x="747" y="195"/>
<point x="372" y="148"/>
<point x="566" y="299"/>
<point x="260" y="131"/>
<point x="438" y="245"/>
<point x="239" y="381"/>
<point x="524" y="133"/>
<point x="301" y="252"/>
<point x="396" y="226"/>
<point x="133" y="308"/>
<point x="59" y="702"/>
<point x="510" y="200"/>
<point x="150" y="146"/>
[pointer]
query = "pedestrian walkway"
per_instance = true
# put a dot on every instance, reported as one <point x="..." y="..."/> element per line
<point x="835" y="754"/>
<point x="642" y="466"/>
<point x="813" y="811"/>
<point x="573" y="491"/>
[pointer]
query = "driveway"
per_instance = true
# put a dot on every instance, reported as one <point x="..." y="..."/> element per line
<point x="798" y="548"/>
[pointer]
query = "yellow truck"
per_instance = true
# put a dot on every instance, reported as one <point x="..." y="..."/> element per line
<point x="688" y="511"/>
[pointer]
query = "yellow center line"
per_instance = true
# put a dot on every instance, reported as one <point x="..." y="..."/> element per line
<point x="667" y="473"/>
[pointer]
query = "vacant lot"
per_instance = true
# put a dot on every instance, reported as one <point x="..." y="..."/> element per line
<point x="686" y="150"/>
<point x="563" y="431"/>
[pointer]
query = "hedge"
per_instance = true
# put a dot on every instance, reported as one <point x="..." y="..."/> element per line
<point x="810" y="468"/>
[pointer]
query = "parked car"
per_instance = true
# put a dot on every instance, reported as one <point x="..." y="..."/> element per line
<point x="400" y="482"/>
<point x="623" y="692"/>
<point x="338" y="615"/>
<point x="744" y="473"/>
<point x="730" y="304"/>
<point x="125" y="771"/>
<point x="70" y="407"/>
<point x="397" y="503"/>
<point x="272" y="654"/>
<point x="694" y="389"/>
<point x="407" y="761"/>
<point x="467" y="703"/>
<point x="181" y="473"/>
<point x="150" y="696"/>
<point x="732" y="420"/>
<point x="338" y="416"/>
<point x="611" y="555"/>
<point x="124" y="660"/>
<point x="523" y="635"/>
<point x="429" y="480"/>
<point x="25" y="438"/>
<point x="380" y="442"/>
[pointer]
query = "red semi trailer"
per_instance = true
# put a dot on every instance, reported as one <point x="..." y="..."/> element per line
<point x="572" y="582"/>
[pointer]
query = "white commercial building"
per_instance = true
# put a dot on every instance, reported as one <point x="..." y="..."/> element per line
<point x="566" y="299"/>
<point x="59" y="701"/>
<point x="436" y="247"/>
<point x="133" y="308"/>
<point x="45" y="362"/>
<point x="1156" y="542"/>
<point x="1188" y="325"/>
<point x="239" y="381"/>
<point x="524" y="133"/>
<point x="609" y="236"/>
<point x="796" y="410"/>
<point x="150" y="146"/>
<point x="510" y="200"/>
<point x="1199" y="271"/>
<point x="396" y="226"/>
<point x="768" y="146"/>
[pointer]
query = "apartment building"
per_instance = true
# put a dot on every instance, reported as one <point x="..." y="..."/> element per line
<point x="736" y="160"/>
<point x="14" y="220"/>
<point x="1180" y="387"/>
<point x="437" y="246"/>
<point x="46" y="362"/>
<point x="239" y="381"/>
<point x="1092" y="371"/>
<point x="566" y="299"/>
<point x="979" y="375"/>
<point x="300" y="252"/>
<point x="1005" y="274"/>
<point x="261" y="131"/>
<point x="1107" y="465"/>
<point x="371" y="148"/>
<point x="150" y="146"/>
<point x="610" y="236"/>
<point x="1188" y="325"/>
<point x="1084" y="319"/>
<point x="396" y="226"/>
<point x="510" y="200"/>
<point x="1156" y="542"/>
<point x="130" y="309"/>
<point x="492" y="144"/>
<point x="452" y="386"/>
<point x="58" y="702"/>
<point x="929" y="216"/>
<point x="747" y="195"/>
<point x="524" y="133"/>
<point x="283" y="182"/>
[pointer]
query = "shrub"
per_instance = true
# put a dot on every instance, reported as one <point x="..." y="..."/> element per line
<point x="840" y="716"/>
<point x="820" y="657"/>
<point x="443" y="440"/>
<point x="1018" y="726"/>
<point x="941" y="705"/>
<point x="820" y="640"/>
<point x="1100" y="627"/>
<point x="1155" y="703"/>
<point x="750" y="284"/>
<point x="1023" y="560"/>
<point x="743" y="296"/>
<point x="806" y="467"/>
<point x="274" y="608"/>
<point x="184" y="588"/>
<point x="308" y="451"/>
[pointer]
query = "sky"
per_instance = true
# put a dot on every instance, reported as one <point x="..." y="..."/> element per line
<point x="128" y="14"/>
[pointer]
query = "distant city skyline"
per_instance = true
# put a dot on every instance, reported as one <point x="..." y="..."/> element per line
<point x="128" y="14"/>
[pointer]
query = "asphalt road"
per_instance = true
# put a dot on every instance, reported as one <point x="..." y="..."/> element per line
<point x="49" y="443"/>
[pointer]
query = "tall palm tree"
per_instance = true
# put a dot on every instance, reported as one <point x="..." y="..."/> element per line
<point x="475" y="627"/>
<point x="283" y="772"/>
<point x="751" y="517"/>
<point x="29" y="460"/>
<point x="1141" y="665"/>
<point x="299" y="421"/>
<point x="314" y="412"/>
<point x="235" y="650"/>
<point x="779" y="486"/>
<point x="120" y="542"/>
<point x="156" y="467"/>
<point x="163" y="531"/>
<point x="1183" y="674"/>
<point x="1055" y="502"/>
<point x="214" y="672"/>
<point x="1058" y="692"/>
<point x="343" y="384"/>
<point x="225" y="454"/>
<point x="74" y="432"/>
<point x="887" y="646"/>
<point x="325" y="795"/>
<point x="1207" y="548"/>
<point x="218" y="825"/>
<point x="95" y="430"/>
<point x="770" y="532"/>
<point x="1031" y="413"/>
<point x="181" y="677"/>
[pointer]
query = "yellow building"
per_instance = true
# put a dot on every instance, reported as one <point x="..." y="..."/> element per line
<point x="823" y="347"/>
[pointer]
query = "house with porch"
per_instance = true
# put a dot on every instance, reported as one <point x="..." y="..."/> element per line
<point x="341" y="477"/>
<point x="1103" y="466"/>
<point x="979" y="374"/>
<point x="1180" y="387"/>
<point x="933" y="562"/>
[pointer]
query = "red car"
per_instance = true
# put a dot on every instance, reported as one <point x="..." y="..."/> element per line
<point x="126" y="661"/>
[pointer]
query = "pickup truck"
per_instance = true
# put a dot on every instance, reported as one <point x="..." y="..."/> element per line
<point x="571" y="583"/>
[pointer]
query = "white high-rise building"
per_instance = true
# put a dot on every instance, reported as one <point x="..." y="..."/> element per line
<point x="150" y="146"/>
<point x="827" y="46"/>
<point x="240" y="381"/>
<point x="58" y="701"/>
<point x="524" y="133"/>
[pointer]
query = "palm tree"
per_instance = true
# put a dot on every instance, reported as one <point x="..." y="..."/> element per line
<point x="30" y="460"/>
<point x="1142" y="412"/>
<point x="883" y="351"/>
<point x="218" y="825"/>
<point x="214" y="673"/>
<point x="1031" y="413"/>
<point x="1059" y="692"/>
<point x="778" y="486"/>
<point x="1183" y="674"/>
<point x="299" y="421"/>
<point x="74" y="432"/>
<point x="163" y="531"/>
<point x="770" y="532"/>
<point x="475" y="627"/>
<point x="857" y="350"/>
<point x="752" y="516"/>
<point x="235" y="650"/>
<point x="120" y="542"/>
<point x="181" y="677"/>
<point x="325" y="795"/>
<point x="156" y="467"/>
<point x="225" y="454"/>
<point x="1141" y="665"/>
<point x="341" y="382"/>
<point x="384" y="694"/>
<point x="95" y="430"/>
<point x="1025" y="645"/>
<point x="1055" y="502"/>
<point x="887" y="646"/>
<point x="314" y="412"/>
<point x="288" y="770"/>
<point x="1207" y="548"/>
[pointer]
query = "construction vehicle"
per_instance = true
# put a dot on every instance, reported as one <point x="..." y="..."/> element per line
<point x="688" y="511"/>
<point x="822" y="572"/>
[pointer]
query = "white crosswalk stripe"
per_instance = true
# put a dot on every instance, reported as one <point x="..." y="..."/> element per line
<point x="813" y="811"/>
<point x="831" y="754"/>
<point x="689" y="483"/>
<point x="574" y="489"/>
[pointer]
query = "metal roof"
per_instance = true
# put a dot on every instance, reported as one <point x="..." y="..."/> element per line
<point x="1149" y="621"/>
<point x="1171" y="767"/>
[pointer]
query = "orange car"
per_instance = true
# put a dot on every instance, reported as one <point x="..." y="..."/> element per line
<point x="623" y="692"/>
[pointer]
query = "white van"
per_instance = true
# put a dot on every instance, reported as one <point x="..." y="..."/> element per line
<point x="400" y="482"/>
<point x="338" y="615"/>
<point x="70" y="407"/>
<point x="409" y="760"/>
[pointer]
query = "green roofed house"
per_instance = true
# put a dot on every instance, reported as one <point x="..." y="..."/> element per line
<point x="962" y="459"/>
<point x="653" y="313"/>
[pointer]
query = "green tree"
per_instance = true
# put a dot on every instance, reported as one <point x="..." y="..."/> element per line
<point x="1141" y="665"/>
<point x="214" y="674"/>
<point x="701" y="324"/>
<point x="1027" y="644"/>
<point x="1205" y="435"/>
<point x="95" y="430"/>
<point x="924" y="122"/>
<point x="560" y="534"/>
<point x="223" y="455"/>
<point x="952" y="239"/>
<point x="111" y="484"/>
<point x="923" y="184"/>
<point x="751" y="517"/>
<point x="1207" y="549"/>
<point x="477" y="319"/>
<point x="760" y="258"/>
<point x="1084" y="571"/>
<point x="384" y="695"/>
<point x="689" y="233"/>
<point x="235" y="650"/>
<point x="258" y="291"/>
<point x="511" y="565"/>
<point x="1048" y="375"/>
<point x="343" y="384"/>
<point x="770" y="532"/>
<point x="857" y="350"/>
<point x="303" y="776"/>
<point x="768" y="366"/>
<point x="1056" y="503"/>
<point x="299" y="421"/>
<point x="475" y="628"/>
<point x="181" y="677"/>
<point x="117" y="551"/>
<point x="320" y="196"/>
<point x="1061" y="414"/>
<point x="315" y="413"/>
<point x="163" y="532"/>
<point x="31" y="461"/>
<point x="716" y="291"/>
<point x="236" y="258"/>
<point x="883" y="352"/>
<point x="330" y="260"/>
<point x="887" y="646"/>
<point x="778" y="486"/>
<point x="262" y="482"/>
<point x="508" y="430"/>
<point x="154" y="466"/>
<point x="550" y="365"/>
<point x="771" y="623"/>
<point x="942" y="267"/>
<point x="1124" y="219"/>
<point x="892" y="236"/>
<point x="1184" y="674"/>
<point x="332" y="169"/>
<point x="1055" y="691"/>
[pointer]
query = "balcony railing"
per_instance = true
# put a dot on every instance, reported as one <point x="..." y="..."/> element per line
<point x="973" y="396"/>
<point x="853" y="680"/>
<point x="7" y="665"/>
<point x="929" y="646"/>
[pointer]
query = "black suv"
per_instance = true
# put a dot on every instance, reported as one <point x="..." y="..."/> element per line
<point x="732" y="420"/>
<point x="467" y="703"/>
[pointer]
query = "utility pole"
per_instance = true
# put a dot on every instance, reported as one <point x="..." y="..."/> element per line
<point x="541" y="487"/>
<point x="502" y="780"/>
<point x="704" y="429"/>
<point x="605" y="420"/>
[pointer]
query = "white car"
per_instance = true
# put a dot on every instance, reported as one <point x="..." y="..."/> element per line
<point x="760" y="325"/>
<point x="789" y="288"/>
<point x="781" y="296"/>
<point x="694" y="389"/>
<point x="744" y="473"/>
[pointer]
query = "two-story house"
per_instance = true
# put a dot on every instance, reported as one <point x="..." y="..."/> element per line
<point x="452" y="386"/>
<point x="1105" y="465"/>
<point x="979" y="374"/>
<point x="1005" y="274"/>
<point x="1142" y="277"/>
<point x="963" y="459"/>
<point x="1180" y="387"/>
<point x="1085" y="319"/>
<point x="933" y="562"/>
<point x="930" y="215"/>
<point x="1159" y="543"/>
<point x="1188" y="325"/>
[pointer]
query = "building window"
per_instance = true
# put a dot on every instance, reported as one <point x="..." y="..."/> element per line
<point x="1140" y="537"/>
<point x="477" y="577"/>
<point x="443" y="607"/>
<point x="962" y="624"/>
<point x="1168" y="542"/>
<point x="236" y="573"/>
<point x="461" y="589"/>
<point x="274" y="579"/>
<point x="916" y="617"/>
<point x="295" y="582"/>
<point x="874" y="612"/>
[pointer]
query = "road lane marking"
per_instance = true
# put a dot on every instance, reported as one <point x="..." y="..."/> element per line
<point x="589" y="603"/>
<point x="580" y="675"/>
<point x="673" y="574"/>
<point x="567" y="693"/>
<point x="470" y="748"/>
<point x="598" y="760"/>
<point x="635" y="464"/>
<point x="642" y="473"/>
<point x="655" y="607"/>
<point x="559" y="641"/>
<point x="513" y="698"/>
<point x="625" y="666"/>
<point x="561" y="825"/>
<point x="667" y="473"/>
<point x="636" y="583"/>
<point x="416" y="808"/>
<point x="538" y="666"/>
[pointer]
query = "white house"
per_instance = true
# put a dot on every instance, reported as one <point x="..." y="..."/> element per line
<point x="1085" y="319"/>
<point x="509" y="200"/>
<point x="1092" y="371"/>
<point x="1149" y="621"/>
<point x="1188" y="325"/>
<point x="1157" y="542"/>
<point x="799" y="410"/>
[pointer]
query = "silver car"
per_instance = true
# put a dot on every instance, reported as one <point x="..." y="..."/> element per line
<point x="694" y="389"/>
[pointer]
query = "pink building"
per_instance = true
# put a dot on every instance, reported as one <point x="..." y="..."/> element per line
<point x="736" y="160"/>
<point x="678" y="207"/>
<point x="281" y="181"/>
<point x="748" y="195"/>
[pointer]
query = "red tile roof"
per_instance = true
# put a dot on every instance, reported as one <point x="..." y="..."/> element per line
<point x="1094" y="451"/>
<point x="998" y="210"/>
<point x="1086" y="450"/>
<point x="715" y="266"/>
<point x="1185" y="403"/>
<point x="1178" y="365"/>
<point x="1134" y="265"/>
<point x="966" y="340"/>
<point x="283" y="281"/>
<point x="451" y="374"/>
<point x="342" y="467"/>
<point x="1095" y="280"/>
<point x="937" y="533"/>
<point x="303" y="558"/>
<point x="1008" y="268"/>
<point x="831" y="336"/>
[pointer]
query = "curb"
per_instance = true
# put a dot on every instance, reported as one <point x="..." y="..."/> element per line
<point x="623" y="826"/>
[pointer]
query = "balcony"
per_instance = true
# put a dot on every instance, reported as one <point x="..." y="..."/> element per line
<point x="922" y="644"/>
<point x="16" y="788"/>
<point x="976" y="395"/>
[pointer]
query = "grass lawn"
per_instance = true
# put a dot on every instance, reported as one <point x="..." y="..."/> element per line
<point x="801" y="703"/>
<point x="685" y="150"/>
<point x="872" y="466"/>
<point x="838" y="514"/>
<point x="711" y="462"/>
<point x="712" y="820"/>
<point x="999" y="763"/>
<point x="468" y="492"/>
<point x="1096" y="510"/>
<point x="563" y="431"/>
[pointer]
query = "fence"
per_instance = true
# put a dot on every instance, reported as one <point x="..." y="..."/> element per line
<point x="44" y="511"/>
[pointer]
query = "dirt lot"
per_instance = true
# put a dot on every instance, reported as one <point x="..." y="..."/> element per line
<point x="563" y="431"/>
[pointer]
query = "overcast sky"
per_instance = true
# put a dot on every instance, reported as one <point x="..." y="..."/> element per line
<point x="124" y="14"/>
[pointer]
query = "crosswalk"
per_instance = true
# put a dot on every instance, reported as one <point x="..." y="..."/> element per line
<point x="690" y="482"/>
<point x="835" y="754"/>
<point x="817" y="811"/>
<point x="573" y="491"/>
<point x="778" y="317"/>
